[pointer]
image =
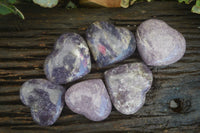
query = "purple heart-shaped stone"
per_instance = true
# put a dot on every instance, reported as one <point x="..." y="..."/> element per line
<point x="44" y="99"/>
<point x="89" y="98"/>
<point x="158" y="43"/>
<point x="69" y="61"/>
<point x="127" y="85"/>
<point x="109" y="44"/>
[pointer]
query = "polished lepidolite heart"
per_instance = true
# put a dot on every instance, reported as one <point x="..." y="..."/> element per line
<point x="158" y="43"/>
<point x="89" y="98"/>
<point x="109" y="44"/>
<point x="44" y="99"/>
<point x="127" y="85"/>
<point x="69" y="61"/>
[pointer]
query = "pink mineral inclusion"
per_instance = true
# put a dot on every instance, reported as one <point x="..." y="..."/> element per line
<point x="102" y="49"/>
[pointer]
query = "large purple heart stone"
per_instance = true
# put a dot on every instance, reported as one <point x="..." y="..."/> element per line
<point x="69" y="61"/>
<point x="158" y="43"/>
<point x="45" y="100"/>
<point x="89" y="98"/>
<point x="109" y="44"/>
<point x="127" y="85"/>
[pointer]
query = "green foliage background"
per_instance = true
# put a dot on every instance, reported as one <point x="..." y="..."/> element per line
<point x="195" y="8"/>
<point x="7" y="6"/>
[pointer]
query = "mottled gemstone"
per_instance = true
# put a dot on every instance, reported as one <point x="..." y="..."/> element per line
<point x="69" y="61"/>
<point x="90" y="99"/>
<point x="45" y="99"/>
<point x="127" y="85"/>
<point x="158" y="43"/>
<point x="109" y="44"/>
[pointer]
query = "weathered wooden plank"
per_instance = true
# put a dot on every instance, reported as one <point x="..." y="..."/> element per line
<point x="25" y="44"/>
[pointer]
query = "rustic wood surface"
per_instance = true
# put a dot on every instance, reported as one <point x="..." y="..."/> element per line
<point x="25" y="44"/>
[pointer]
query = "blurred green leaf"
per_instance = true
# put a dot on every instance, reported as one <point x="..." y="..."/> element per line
<point x="12" y="1"/>
<point x="71" y="5"/>
<point x="6" y="8"/>
<point x="186" y="1"/>
<point x="196" y="8"/>
<point x="132" y="2"/>
<point x="198" y="3"/>
<point x="19" y="13"/>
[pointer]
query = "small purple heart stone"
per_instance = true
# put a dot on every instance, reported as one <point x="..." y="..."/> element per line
<point x="158" y="43"/>
<point x="109" y="44"/>
<point x="45" y="100"/>
<point x="90" y="99"/>
<point x="127" y="85"/>
<point x="69" y="61"/>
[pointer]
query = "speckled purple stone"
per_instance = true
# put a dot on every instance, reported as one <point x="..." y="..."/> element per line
<point x="69" y="61"/>
<point x="158" y="43"/>
<point x="44" y="99"/>
<point x="89" y="98"/>
<point x="127" y="85"/>
<point x="109" y="44"/>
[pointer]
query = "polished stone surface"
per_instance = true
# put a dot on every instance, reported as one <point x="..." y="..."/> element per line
<point x="127" y="85"/>
<point x="109" y="44"/>
<point x="69" y="61"/>
<point x="158" y="43"/>
<point x="90" y="99"/>
<point x="44" y="99"/>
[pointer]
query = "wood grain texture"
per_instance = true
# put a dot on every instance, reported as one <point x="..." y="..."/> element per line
<point x="25" y="44"/>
